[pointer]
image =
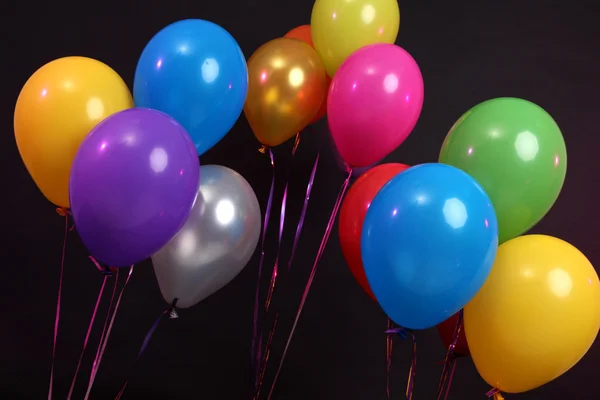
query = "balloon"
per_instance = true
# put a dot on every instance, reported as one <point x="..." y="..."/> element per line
<point x="195" y="71"/>
<point x="303" y="33"/>
<point x="374" y="102"/>
<point x="133" y="184"/>
<point x="58" y="106"/>
<point x="340" y="27"/>
<point x="536" y="316"/>
<point x="216" y="242"/>
<point x="287" y="86"/>
<point x="352" y="215"/>
<point x="341" y="164"/>
<point x="515" y="150"/>
<point x="428" y="244"/>
<point x="446" y="332"/>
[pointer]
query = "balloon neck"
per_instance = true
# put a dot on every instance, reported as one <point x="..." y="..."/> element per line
<point x="63" y="212"/>
<point x="173" y="314"/>
<point x="498" y="396"/>
<point x="263" y="149"/>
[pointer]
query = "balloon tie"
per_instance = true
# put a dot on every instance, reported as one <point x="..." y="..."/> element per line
<point x="63" y="212"/>
<point x="495" y="394"/>
<point x="106" y="331"/>
<point x="403" y="333"/>
<point x="255" y="352"/>
<point x="107" y="273"/>
<point x="388" y="346"/>
<point x="172" y="314"/>
<point x="450" y="360"/>
<point x="322" y="246"/>
<point x="267" y="352"/>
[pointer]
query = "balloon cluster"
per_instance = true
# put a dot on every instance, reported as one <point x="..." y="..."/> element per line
<point x="127" y="166"/>
<point x="423" y="242"/>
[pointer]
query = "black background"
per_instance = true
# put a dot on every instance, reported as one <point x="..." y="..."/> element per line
<point x="468" y="50"/>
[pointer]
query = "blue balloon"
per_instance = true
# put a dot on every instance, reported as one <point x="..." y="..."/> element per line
<point x="428" y="243"/>
<point x="194" y="71"/>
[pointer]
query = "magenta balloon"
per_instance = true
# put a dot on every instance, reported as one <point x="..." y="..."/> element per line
<point x="133" y="184"/>
<point x="374" y="102"/>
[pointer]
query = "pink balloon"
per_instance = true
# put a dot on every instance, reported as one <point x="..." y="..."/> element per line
<point x="374" y="102"/>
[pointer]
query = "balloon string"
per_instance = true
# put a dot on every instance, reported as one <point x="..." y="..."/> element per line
<point x="172" y="314"/>
<point x="96" y="364"/>
<point x="281" y="225"/>
<point x="256" y="348"/>
<point x="87" y="335"/>
<point x="450" y="359"/>
<point x="324" y="241"/>
<point x="63" y="213"/>
<point x="388" y="345"/>
<point x="309" y="186"/>
<point x="495" y="393"/>
<point x="410" y="384"/>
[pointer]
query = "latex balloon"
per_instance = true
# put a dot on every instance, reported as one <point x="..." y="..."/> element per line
<point x="133" y="183"/>
<point x="287" y="86"/>
<point x="340" y="27"/>
<point x="536" y="316"/>
<point x="428" y="244"/>
<point x="352" y="215"/>
<point x="341" y="164"/>
<point x="515" y="150"/>
<point x="446" y="331"/>
<point x="303" y="33"/>
<point x="374" y="102"/>
<point x="195" y="71"/>
<point x="56" y="109"/>
<point x="216" y="242"/>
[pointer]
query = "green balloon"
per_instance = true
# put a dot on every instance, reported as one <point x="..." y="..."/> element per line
<point x="516" y="152"/>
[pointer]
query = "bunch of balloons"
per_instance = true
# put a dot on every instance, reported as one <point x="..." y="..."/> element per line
<point x="127" y="166"/>
<point x="344" y="64"/>
<point x="428" y="241"/>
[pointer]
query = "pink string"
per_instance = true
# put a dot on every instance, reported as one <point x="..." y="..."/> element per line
<point x="256" y="346"/>
<point x="449" y="362"/>
<point x="87" y="336"/>
<point x="110" y="326"/>
<point x="65" y="213"/>
<point x="388" y="343"/>
<point x="267" y="352"/>
<point x="324" y="241"/>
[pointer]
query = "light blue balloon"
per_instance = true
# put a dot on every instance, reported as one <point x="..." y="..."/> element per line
<point x="428" y="243"/>
<point x="195" y="71"/>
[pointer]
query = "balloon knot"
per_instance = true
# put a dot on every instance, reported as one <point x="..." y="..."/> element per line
<point x="263" y="149"/>
<point x="173" y="314"/>
<point x="63" y="212"/>
<point x="498" y="396"/>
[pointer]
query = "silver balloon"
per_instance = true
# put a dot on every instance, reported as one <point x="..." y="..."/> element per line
<point x="216" y="242"/>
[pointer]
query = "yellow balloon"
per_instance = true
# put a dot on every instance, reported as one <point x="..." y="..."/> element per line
<point x="340" y="27"/>
<point x="287" y="84"/>
<point x="536" y="316"/>
<point x="58" y="106"/>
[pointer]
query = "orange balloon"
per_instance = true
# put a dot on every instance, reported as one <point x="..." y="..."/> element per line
<point x="286" y="87"/>
<point x="303" y="33"/>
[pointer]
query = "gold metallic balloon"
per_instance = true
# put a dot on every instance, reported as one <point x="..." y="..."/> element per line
<point x="287" y="85"/>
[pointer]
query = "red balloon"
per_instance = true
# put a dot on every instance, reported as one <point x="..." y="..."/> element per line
<point x="303" y="33"/>
<point x="446" y="331"/>
<point x="352" y="216"/>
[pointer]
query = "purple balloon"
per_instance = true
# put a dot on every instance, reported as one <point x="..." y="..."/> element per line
<point x="133" y="184"/>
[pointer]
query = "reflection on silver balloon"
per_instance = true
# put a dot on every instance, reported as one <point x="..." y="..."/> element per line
<point x="216" y="242"/>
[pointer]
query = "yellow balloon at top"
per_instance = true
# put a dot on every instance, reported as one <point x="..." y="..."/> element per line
<point x="340" y="27"/>
<point x="56" y="109"/>
<point x="536" y="316"/>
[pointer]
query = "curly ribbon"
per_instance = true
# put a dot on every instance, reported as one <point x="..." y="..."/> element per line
<point x="450" y="361"/>
<point x="63" y="212"/>
<point x="172" y="314"/>
<point x="265" y="358"/>
<point x="107" y="274"/>
<point x="324" y="241"/>
<point x="388" y="347"/>
<point x="105" y="337"/>
<point x="403" y="333"/>
<point x="495" y="393"/>
<point x="256" y="346"/>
